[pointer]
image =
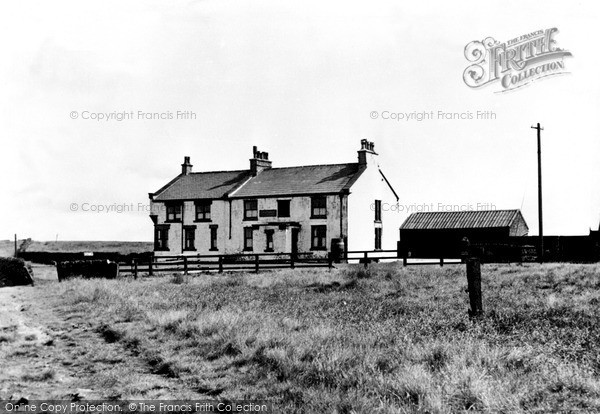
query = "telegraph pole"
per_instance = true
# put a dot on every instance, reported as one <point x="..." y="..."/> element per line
<point x="541" y="224"/>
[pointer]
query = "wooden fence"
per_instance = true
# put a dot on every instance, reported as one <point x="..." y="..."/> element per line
<point x="224" y="262"/>
<point x="261" y="261"/>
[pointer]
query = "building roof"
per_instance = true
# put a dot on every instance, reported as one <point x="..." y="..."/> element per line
<point x="309" y="179"/>
<point x="211" y="185"/>
<point x="461" y="219"/>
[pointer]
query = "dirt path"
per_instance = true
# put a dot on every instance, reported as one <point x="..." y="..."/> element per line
<point x="46" y="352"/>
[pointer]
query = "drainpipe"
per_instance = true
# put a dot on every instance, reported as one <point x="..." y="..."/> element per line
<point x="342" y="216"/>
<point x="182" y="224"/>
<point x="229" y="219"/>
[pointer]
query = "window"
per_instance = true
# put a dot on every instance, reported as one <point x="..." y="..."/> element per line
<point x="202" y="210"/>
<point x="189" y="236"/>
<point x="248" y="233"/>
<point x="319" y="207"/>
<point x="213" y="237"/>
<point x="250" y="209"/>
<point x="269" y="244"/>
<point x="161" y="238"/>
<point x="378" y="238"/>
<point x="318" y="238"/>
<point x="377" y="210"/>
<point x="283" y="208"/>
<point x="174" y="212"/>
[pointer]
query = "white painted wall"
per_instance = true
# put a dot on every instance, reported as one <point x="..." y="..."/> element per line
<point x="369" y="187"/>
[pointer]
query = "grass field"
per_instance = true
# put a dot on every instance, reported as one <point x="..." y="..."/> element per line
<point x="7" y="247"/>
<point x="90" y="246"/>
<point x="389" y="339"/>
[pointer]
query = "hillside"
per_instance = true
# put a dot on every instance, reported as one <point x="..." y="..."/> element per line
<point x="122" y="247"/>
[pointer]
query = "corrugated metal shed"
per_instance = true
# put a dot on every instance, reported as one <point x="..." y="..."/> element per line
<point x="461" y="220"/>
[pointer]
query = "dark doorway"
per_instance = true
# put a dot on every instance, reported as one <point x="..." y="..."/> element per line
<point x="295" y="242"/>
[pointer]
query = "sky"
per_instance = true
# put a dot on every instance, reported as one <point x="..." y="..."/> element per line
<point x="302" y="81"/>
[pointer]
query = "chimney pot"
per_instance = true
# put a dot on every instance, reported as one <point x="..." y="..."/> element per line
<point x="259" y="162"/>
<point x="186" y="167"/>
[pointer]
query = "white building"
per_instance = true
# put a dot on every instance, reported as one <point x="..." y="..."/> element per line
<point x="264" y="209"/>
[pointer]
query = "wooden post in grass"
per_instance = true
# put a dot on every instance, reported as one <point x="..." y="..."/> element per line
<point x="441" y="262"/>
<point x="135" y="269"/>
<point x="185" y="265"/>
<point x="292" y="264"/>
<point x="220" y="264"/>
<point x="256" y="263"/>
<point x="366" y="259"/>
<point x="330" y="260"/>
<point x="473" y="264"/>
<point x="150" y="272"/>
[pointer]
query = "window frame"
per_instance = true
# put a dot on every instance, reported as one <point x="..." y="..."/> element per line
<point x="321" y="210"/>
<point x="320" y="238"/>
<point x="253" y="217"/>
<point x="206" y="207"/>
<point x="159" y="241"/>
<point x="378" y="211"/>
<point x="189" y="247"/>
<point x="214" y="238"/>
<point x="248" y="247"/>
<point x="177" y="216"/>
<point x="279" y="209"/>
<point x="378" y="236"/>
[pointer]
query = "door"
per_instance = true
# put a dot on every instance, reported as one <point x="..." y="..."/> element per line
<point x="295" y="242"/>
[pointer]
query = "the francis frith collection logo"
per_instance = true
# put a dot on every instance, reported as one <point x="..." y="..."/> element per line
<point x="514" y="63"/>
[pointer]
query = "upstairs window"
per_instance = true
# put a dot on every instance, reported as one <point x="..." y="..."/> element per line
<point x="283" y="208"/>
<point x="377" y="210"/>
<point x="203" y="210"/>
<point x="319" y="207"/>
<point x="250" y="209"/>
<point x="174" y="212"/>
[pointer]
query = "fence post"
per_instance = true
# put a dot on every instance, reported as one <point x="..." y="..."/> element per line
<point x="256" y="262"/>
<point x="220" y="264"/>
<point x="185" y="265"/>
<point x="366" y="259"/>
<point x="441" y="262"/>
<point x="135" y="269"/>
<point x="150" y="272"/>
<point x="474" y="284"/>
<point x="292" y="264"/>
<point x="330" y="260"/>
<point x="404" y="261"/>
<point x="473" y="265"/>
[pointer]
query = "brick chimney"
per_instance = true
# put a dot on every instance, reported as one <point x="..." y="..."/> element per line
<point x="259" y="161"/>
<point x="186" y="167"/>
<point x="366" y="152"/>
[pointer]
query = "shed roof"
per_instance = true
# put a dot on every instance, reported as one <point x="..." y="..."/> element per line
<point x="461" y="219"/>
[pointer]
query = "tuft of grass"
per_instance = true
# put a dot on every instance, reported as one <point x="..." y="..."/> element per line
<point x="44" y="375"/>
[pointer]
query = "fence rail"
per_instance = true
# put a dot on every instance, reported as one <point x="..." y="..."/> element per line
<point x="220" y="263"/>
